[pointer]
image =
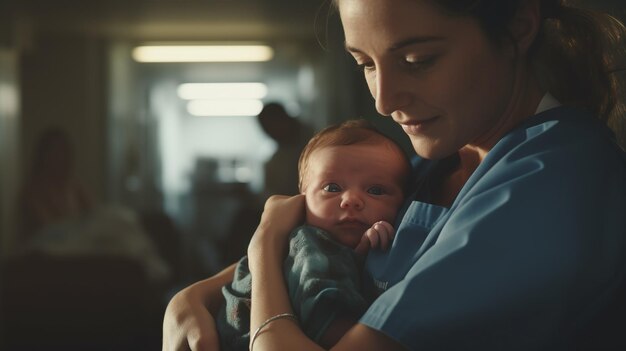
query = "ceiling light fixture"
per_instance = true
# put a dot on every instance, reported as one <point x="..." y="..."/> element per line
<point x="203" y="53"/>
<point x="196" y="91"/>
<point x="224" y="108"/>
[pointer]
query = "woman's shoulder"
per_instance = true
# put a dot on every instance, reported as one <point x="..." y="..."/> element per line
<point x="563" y="134"/>
<point x="557" y="150"/>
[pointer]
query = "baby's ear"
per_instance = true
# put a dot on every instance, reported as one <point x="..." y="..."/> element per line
<point x="302" y="188"/>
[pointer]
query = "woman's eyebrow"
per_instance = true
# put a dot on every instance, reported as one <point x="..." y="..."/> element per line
<point x="401" y="44"/>
<point x="415" y="40"/>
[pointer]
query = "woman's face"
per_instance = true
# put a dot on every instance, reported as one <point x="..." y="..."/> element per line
<point x="438" y="76"/>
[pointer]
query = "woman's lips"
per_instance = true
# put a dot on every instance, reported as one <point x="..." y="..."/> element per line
<point x="417" y="127"/>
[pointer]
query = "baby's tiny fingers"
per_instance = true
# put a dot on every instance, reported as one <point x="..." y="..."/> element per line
<point x="372" y="234"/>
<point x="385" y="232"/>
<point x="363" y="247"/>
<point x="387" y="227"/>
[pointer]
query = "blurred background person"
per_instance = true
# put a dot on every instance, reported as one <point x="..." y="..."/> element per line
<point x="51" y="192"/>
<point x="59" y="217"/>
<point x="290" y="135"/>
<point x="280" y="177"/>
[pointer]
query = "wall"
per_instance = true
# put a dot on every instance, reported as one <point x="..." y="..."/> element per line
<point x="9" y="128"/>
<point x="9" y="152"/>
<point x="62" y="85"/>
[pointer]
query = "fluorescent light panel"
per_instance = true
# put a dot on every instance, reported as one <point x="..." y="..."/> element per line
<point x="203" y="53"/>
<point x="195" y="91"/>
<point x="224" y="108"/>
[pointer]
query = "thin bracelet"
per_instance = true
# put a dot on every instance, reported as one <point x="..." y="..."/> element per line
<point x="270" y="320"/>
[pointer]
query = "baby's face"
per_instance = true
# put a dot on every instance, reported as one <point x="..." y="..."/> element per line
<point x="349" y="188"/>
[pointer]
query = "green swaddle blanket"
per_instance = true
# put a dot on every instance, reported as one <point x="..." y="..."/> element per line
<point x="323" y="279"/>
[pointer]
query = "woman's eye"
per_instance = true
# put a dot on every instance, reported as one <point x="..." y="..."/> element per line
<point x="419" y="63"/>
<point x="366" y="67"/>
<point x="376" y="190"/>
<point x="332" y="188"/>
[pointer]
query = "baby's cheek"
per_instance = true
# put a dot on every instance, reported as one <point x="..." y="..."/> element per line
<point x="390" y="213"/>
<point x="310" y="216"/>
<point x="315" y="216"/>
<point x="310" y="208"/>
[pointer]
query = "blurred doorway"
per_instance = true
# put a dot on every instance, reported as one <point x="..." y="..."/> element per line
<point x="200" y="170"/>
<point x="9" y="146"/>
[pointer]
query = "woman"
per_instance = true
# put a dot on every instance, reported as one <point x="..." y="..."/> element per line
<point x="513" y="237"/>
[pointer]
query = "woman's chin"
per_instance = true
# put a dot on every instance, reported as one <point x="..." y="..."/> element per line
<point x="431" y="150"/>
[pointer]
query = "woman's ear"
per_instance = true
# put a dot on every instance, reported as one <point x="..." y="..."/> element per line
<point x="525" y="25"/>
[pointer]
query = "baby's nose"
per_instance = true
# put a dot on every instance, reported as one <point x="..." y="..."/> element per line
<point x="351" y="199"/>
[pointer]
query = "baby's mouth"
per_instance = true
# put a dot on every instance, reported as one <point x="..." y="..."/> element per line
<point x="352" y="223"/>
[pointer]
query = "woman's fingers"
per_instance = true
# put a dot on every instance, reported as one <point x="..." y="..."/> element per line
<point x="283" y="211"/>
<point x="280" y="216"/>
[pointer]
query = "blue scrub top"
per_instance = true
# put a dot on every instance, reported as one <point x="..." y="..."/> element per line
<point x="532" y="245"/>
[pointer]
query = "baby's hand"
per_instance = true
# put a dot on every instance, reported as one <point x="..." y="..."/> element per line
<point x="378" y="236"/>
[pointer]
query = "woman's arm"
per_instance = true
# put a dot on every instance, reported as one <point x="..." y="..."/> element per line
<point x="269" y="293"/>
<point x="188" y="323"/>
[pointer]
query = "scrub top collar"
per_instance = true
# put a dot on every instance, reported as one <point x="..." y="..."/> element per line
<point x="547" y="102"/>
<point x="426" y="172"/>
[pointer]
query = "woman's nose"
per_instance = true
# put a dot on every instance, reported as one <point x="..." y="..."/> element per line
<point x="351" y="199"/>
<point x="388" y="91"/>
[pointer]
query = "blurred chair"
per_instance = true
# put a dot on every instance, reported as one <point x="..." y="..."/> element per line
<point x="167" y="239"/>
<point x="78" y="303"/>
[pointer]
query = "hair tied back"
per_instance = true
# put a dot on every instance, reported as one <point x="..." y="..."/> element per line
<point x="551" y="9"/>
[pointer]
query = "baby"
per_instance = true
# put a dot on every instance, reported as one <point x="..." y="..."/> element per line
<point x="353" y="180"/>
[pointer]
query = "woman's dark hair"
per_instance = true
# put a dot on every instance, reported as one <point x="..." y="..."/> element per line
<point x="577" y="54"/>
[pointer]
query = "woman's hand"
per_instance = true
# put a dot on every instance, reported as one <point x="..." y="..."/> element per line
<point x="188" y="323"/>
<point x="266" y="253"/>
<point x="269" y="292"/>
<point x="378" y="236"/>
<point x="280" y="216"/>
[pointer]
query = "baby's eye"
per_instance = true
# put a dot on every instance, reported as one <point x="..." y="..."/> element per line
<point x="332" y="188"/>
<point x="376" y="190"/>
